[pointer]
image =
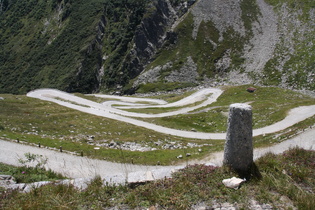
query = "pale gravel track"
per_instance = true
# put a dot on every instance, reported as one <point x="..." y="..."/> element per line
<point x="71" y="165"/>
<point x="83" y="167"/>
<point x="294" y="116"/>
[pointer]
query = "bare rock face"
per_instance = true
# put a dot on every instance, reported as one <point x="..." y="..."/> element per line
<point x="151" y="33"/>
<point x="187" y="73"/>
<point x="238" y="151"/>
<point x="224" y="14"/>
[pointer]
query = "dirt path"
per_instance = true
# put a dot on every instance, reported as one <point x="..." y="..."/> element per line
<point x="206" y="96"/>
<point x="83" y="167"/>
<point x="71" y="165"/>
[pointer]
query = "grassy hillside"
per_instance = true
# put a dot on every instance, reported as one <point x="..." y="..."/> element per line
<point x="43" y="42"/>
<point x="34" y="121"/>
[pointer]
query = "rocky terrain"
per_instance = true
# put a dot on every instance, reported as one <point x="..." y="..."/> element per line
<point x="102" y="46"/>
<point x="269" y="35"/>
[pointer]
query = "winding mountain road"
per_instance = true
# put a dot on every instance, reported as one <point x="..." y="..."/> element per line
<point x="83" y="167"/>
<point x="204" y="96"/>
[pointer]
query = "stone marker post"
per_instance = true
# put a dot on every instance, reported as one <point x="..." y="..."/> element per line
<point x="238" y="150"/>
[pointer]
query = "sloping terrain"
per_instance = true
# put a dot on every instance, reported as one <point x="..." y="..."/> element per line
<point x="224" y="42"/>
<point x="138" y="46"/>
<point x="63" y="44"/>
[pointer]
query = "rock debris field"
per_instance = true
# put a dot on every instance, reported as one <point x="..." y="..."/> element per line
<point x="81" y="169"/>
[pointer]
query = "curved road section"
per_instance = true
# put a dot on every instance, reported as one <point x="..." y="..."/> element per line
<point x="83" y="168"/>
<point x="203" y="97"/>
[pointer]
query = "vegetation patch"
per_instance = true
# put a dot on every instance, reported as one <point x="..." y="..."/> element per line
<point x="29" y="174"/>
<point x="33" y="121"/>
<point x="287" y="182"/>
<point x="298" y="64"/>
<point x="61" y="44"/>
<point x="270" y="105"/>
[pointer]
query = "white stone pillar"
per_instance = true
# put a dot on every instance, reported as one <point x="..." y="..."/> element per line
<point x="238" y="150"/>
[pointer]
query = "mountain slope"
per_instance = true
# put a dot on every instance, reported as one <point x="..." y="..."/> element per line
<point x="224" y="42"/>
<point x="60" y="44"/>
<point x="136" y="45"/>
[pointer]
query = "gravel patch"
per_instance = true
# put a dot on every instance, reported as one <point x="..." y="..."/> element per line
<point x="223" y="13"/>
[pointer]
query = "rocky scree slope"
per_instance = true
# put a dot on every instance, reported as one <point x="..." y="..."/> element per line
<point x="127" y="46"/>
<point x="265" y="42"/>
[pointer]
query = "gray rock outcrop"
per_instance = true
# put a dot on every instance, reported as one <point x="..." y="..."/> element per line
<point x="151" y="34"/>
<point x="224" y="14"/>
<point x="187" y="73"/>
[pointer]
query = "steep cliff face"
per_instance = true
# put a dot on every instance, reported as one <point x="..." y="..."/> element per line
<point x="151" y="34"/>
<point x="88" y="77"/>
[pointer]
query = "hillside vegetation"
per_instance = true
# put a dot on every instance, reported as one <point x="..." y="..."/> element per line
<point x="287" y="183"/>
<point x="104" y="45"/>
<point x="224" y="42"/>
<point x="59" y="44"/>
<point x="34" y="122"/>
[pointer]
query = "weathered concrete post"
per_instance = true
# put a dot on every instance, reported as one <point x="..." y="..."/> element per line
<point x="238" y="150"/>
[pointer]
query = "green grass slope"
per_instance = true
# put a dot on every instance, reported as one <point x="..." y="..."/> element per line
<point x="34" y="121"/>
